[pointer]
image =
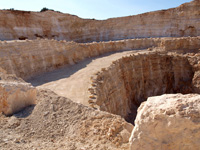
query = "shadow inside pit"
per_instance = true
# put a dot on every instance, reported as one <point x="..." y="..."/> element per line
<point x="25" y="112"/>
<point x="65" y="71"/>
<point x="57" y="74"/>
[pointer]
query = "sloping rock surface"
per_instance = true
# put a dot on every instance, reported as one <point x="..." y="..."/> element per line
<point x="168" y="122"/>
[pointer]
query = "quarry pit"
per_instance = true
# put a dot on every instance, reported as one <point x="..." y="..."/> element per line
<point x="122" y="83"/>
<point x="118" y="83"/>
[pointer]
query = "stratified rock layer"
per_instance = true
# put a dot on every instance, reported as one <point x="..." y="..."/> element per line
<point x="32" y="57"/>
<point x="29" y="58"/>
<point x="175" y="22"/>
<point x="168" y="122"/>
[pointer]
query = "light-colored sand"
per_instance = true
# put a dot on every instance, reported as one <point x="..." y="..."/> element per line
<point x="73" y="81"/>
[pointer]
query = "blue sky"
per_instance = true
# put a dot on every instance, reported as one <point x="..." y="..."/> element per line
<point x="98" y="9"/>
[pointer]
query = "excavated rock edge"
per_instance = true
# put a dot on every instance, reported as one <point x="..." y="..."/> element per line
<point x="32" y="57"/>
<point x="120" y="88"/>
<point x="176" y="22"/>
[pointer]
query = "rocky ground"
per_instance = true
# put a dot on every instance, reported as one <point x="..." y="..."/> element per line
<point x="73" y="81"/>
<point x="58" y="123"/>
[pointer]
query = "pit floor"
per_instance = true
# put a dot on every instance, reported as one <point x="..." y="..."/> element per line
<point x="73" y="81"/>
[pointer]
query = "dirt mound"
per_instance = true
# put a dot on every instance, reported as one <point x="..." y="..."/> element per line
<point x="58" y="123"/>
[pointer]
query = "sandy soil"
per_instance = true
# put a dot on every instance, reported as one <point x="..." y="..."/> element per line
<point x="73" y="81"/>
<point x="58" y="123"/>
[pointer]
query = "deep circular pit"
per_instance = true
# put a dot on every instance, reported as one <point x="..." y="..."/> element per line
<point x="129" y="81"/>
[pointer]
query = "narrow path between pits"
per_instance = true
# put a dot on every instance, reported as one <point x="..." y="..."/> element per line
<point x="73" y="81"/>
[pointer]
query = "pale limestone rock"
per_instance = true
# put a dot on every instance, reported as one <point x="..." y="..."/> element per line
<point x="181" y="44"/>
<point x="14" y="96"/>
<point x="28" y="58"/>
<point x="175" y="22"/>
<point x="167" y="122"/>
<point x="32" y="57"/>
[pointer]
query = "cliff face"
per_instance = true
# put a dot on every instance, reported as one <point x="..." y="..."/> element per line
<point x="29" y="58"/>
<point x="176" y="22"/>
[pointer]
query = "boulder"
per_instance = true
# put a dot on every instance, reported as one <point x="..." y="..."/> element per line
<point x="14" y="96"/>
<point x="166" y="122"/>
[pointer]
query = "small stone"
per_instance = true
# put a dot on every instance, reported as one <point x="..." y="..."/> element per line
<point x="46" y="113"/>
<point x="17" y="140"/>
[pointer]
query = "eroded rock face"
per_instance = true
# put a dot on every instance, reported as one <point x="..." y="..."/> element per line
<point x="32" y="57"/>
<point x="120" y="88"/>
<point x="167" y="122"/>
<point x="183" y="45"/>
<point x="176" y="22"/>
<point x="15" y="94"/>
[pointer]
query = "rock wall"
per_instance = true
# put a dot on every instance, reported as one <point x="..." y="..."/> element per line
<point x="29" y="58"/>
<point x="175" y="22"/>
<point x="181" y="44"/>
<point x="167" y="122"/>
<point x="32" y="57"/>
<point x="120" y="88"/>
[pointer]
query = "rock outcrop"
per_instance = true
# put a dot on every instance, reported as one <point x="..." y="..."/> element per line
<point x="15" y="94"/>
<point x="175" y="22"/>
<point x="32" y="57"/>
<point x="167" y="122"/>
